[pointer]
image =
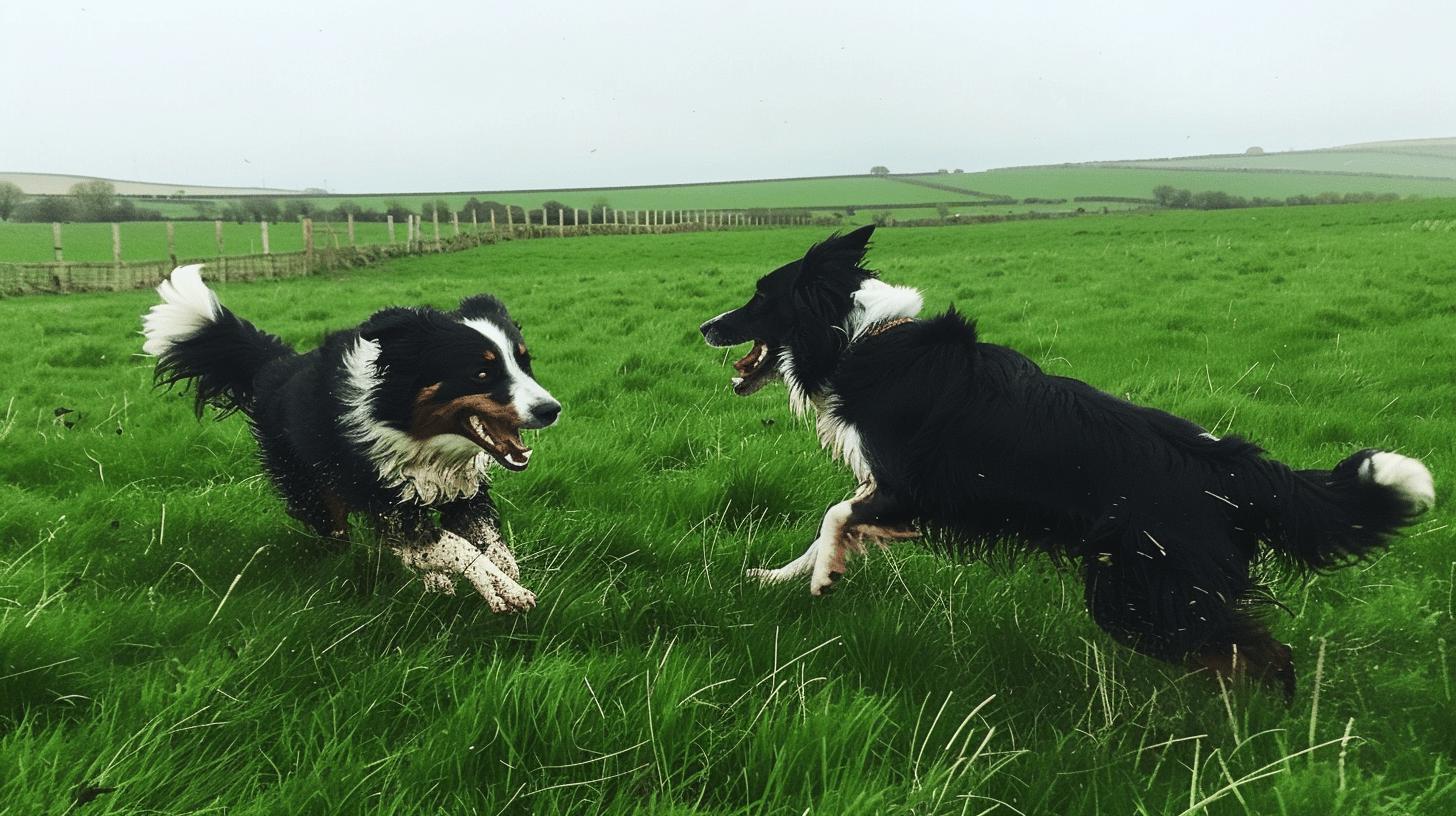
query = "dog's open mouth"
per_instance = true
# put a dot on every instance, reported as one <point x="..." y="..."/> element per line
<point x="502" y="442"/>
<point x="756" y="369"/>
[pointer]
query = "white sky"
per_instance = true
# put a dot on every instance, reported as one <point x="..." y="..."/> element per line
<point x="496" y="95"/>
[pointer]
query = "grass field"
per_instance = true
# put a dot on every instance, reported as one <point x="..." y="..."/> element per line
<point x="1416" y="157"/>
<point x="1323" y="161"/>
<point x="166" y="631"/>
<point x="147" y="240"/>
<point x="1099" y="180"/>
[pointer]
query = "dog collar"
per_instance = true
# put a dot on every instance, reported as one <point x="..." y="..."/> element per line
<point x="884" y="326"/>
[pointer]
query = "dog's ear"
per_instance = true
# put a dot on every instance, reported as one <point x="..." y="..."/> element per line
<point x="483" y="306"/>
<point x="837" y="254"/>
<point x="393" y="323"/>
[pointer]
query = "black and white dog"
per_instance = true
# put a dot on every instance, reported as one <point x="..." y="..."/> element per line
<point x="396" y="419"/>
<point x="973" y="439"/>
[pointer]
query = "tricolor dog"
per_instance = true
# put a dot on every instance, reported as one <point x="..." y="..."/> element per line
<point x="398" y="419"/>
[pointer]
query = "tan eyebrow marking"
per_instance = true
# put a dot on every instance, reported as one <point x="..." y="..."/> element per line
<point x="489" y="356"/>
<point x="521" y="349"/>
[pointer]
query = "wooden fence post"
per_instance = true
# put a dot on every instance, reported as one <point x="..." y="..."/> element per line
<point x="560" y="222"/>
<point x="172" y="242"/>
<point x="435" y="219"/>
<point x="351" y="229"/>
<point x="576" y="218"/>
<point x="264" y="226"/>
<point x="389" y="219"/>
<point x="116" y="243"/>
<point x="510" y="219"/>
<point x="455" y="222"/>
<point x="474" y="221"/>
<point x="217" y="234"/>
<point x="308" y="244"/>
<point x="492" y="222"/>
<point x="56" y="241"/>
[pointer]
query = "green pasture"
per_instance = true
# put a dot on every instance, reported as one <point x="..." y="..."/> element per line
<point x="1101" y="180"/>
<point x="170" y="642"/>
<point x="1397" y="163"/>
<point x="147" y="240"/>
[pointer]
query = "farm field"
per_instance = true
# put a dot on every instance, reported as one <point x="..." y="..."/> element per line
<point x="1135" y="180"/>
<point x="147" y="240"/>
<point x="1414" y="157"/>
<point x="167" y="632"/>
<point x="1323" y="161"/>
<point x="1067" y="181"/>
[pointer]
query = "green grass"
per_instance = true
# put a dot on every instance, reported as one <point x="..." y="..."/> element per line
<point x="166" y="630"/>
<point x="811" y="192"/>
<point x="1090" y="180"/>
<point x="1396" y="163"/>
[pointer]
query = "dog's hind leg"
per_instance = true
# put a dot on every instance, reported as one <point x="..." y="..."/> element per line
<point x="1196" y="618"/>
<point x="1246" y="648"/>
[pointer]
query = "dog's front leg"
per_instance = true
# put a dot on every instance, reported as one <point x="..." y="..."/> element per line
<point x="443" y="556"/>
<point x="871" y="514"/>
<point x="799" y="566"/>
<point x="476" y="519"/>
<point x="454" y="556"/>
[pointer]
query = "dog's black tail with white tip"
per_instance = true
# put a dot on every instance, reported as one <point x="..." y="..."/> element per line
<point x="195" y="339"/>
<point x="1332" y="517"/>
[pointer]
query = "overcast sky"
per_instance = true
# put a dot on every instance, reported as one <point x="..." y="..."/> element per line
<point x="487" y="96"/>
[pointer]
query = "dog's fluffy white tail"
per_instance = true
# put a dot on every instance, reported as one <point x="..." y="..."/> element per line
<point x="1404" y="475"/>
<point x="187" y="306"/>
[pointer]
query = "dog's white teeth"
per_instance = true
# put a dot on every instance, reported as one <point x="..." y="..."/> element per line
<point x="489" y="441"/>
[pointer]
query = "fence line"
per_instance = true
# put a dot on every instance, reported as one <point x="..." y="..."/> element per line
<point x="60" y="275"/>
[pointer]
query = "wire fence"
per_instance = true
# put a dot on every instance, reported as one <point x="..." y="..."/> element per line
<point x="413" y="236"/>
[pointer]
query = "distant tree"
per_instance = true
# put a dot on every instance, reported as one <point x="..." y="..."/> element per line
<point x="1254" y="151"/>
<point x="552" y="209"/>
<point x="315" y="191"/>
<point x="10" y="197"/>
<point x="205" y="209"/>
<point x="398" y="210"/>
<point x="879" y="170"/>
<point x="295" y="209"/>
<point x="46" y="208"/>
<point x="260" y="208"/>
<point x="958" y="170"/>
<point x="95" y="200"/>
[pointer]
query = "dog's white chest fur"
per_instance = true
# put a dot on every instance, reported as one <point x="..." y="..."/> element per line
<point x="842" y="441"/>
<point x="439" y="469"/>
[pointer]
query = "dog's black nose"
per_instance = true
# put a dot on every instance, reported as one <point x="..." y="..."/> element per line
<point x="545" y="414"/>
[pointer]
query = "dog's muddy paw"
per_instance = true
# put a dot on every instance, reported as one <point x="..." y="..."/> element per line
<point x="438" y="582"/>
<point x="522" y="600"/>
